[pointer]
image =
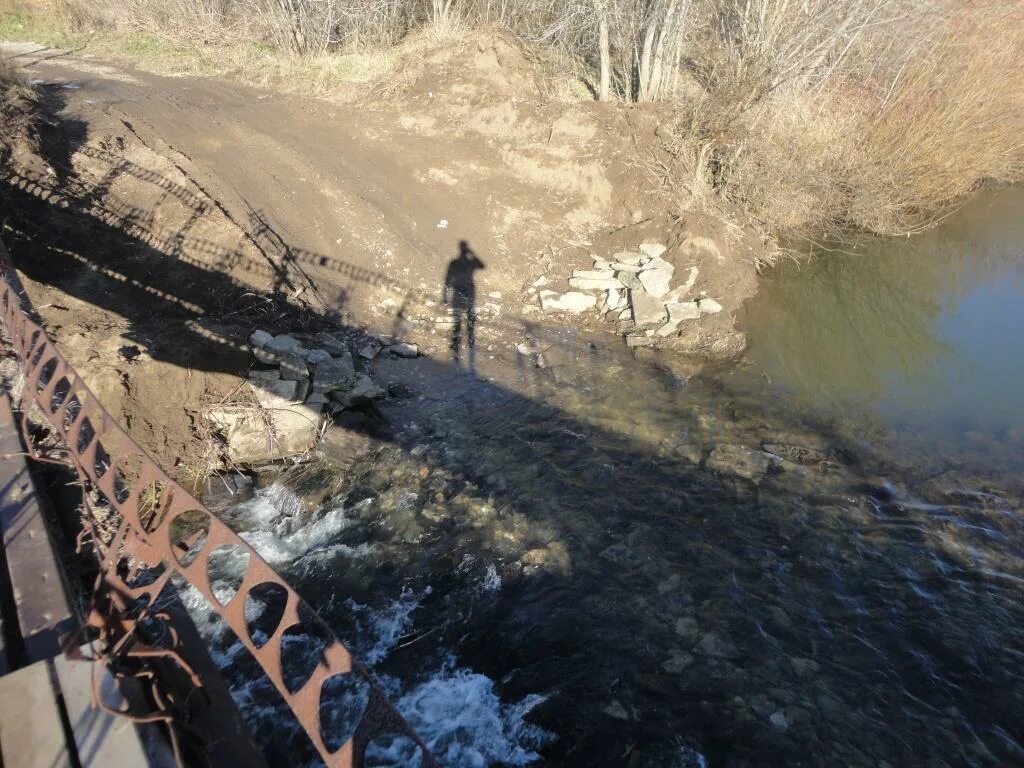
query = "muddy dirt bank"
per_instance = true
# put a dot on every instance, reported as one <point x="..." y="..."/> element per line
<point x="159" y="220"/>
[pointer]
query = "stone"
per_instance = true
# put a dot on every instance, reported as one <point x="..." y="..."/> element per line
<point x="615" y="299"/>
<point x="302" y="389"/>
<point x="629" y="280"/>
<point x="717" y="647"/>
<point x="741" y="461"/>
<point x="293" y="367"/>
<point x="803" y="667"/>
<point x="668" y="329"/>
<point x="267" y="390"/>
<point x="657" y="281"/>
<point x="594" y="283"/>
<point x="254" y="435"/>
<point x="628" y="257"/>
<point x="363" y="392"/>
<point x="317" y="356"/>
<point x="638" y="340"/>
<point x="654" y="250"/>
<point x="402" y="349"/>
<point x="619" y="266"/>
<point x="371" y="349"/>
<point x="264" y="374"/>
<point x="677" y="662"/>
<point x="336" y="373"/>
<point x="686" y="626"/>
<point x="541" y="281"/>
<point x="779" y="722"/>
<point x="332" y="344"/>
<point x="530" y="348"/>
<point x="572" y="302"/>
<point x="647" y="309"/>
<point x="592" y="274"/>
<point x="616" y="711"/>
<point x="283" y="344"/>
<point x="709" y="306"/>
<point x="317" y="400"/>
<point x="683" y="310"/>
<point x="259" y="339"/>
<point x="553" y="558"/>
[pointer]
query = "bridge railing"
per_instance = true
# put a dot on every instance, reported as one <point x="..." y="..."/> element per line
<point x="161" y="527"/>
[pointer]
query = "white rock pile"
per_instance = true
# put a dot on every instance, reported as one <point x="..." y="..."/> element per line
<point x="294" y="382"/>
<point x="634" y="288"/>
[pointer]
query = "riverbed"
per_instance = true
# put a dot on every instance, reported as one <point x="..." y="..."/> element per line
<point x="811" y="556"/>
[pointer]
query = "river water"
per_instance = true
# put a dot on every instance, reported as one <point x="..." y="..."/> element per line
<point x="811" y="557"/>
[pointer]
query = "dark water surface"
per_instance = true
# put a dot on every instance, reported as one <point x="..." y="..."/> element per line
<point x="809" y="558"/>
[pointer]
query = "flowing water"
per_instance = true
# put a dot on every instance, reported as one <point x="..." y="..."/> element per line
<point x="810" y="557"/>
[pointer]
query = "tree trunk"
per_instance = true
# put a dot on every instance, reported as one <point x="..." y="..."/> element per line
<point x="604" y="89"/>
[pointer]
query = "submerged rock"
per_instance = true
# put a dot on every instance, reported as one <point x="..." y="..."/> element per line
<point x="741" y="461"/>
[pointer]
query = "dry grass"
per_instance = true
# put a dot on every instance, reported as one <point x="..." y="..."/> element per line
<point x="811" y="115"/>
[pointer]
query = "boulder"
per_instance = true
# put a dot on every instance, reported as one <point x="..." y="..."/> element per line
<point x="370" y="350"/>
<point x="647" y="309"/>
<point x="255" y="435"/>
<point x="363" y="391"/>
<point x="336" y="373"/>
<point x="335" y="346"/>
<point x="259" y="339"/>
<point x="618" y="266"/>
<point x="283" y="344"/>
<point x="572" y="302"/>
<point x="683" y="310"/>
<point x="656" y="277"/>
<point x="271" y="390"/>
<point x="654" y="250"/>
<point x="615" y="299"/>
<point x="669" y="328"/>
<point x="709" y="306"/>
<point x="629" y="280"/>
<point x="402" y="349"/>
<point x="293" y="367"/>
<point x="317" y="356"/>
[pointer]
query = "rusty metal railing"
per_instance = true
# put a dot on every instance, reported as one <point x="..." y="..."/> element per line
<point x="162" y="526"/>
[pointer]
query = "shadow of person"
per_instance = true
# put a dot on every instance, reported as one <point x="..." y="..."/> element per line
<point x="460" y="296"/>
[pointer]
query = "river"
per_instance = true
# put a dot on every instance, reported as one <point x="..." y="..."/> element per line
<point x="810" y="557"/>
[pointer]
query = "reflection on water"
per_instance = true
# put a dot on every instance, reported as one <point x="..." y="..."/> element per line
<point x="928" y="332"/>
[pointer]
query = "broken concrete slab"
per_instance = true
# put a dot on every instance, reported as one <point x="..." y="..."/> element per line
<point x="647" y="309"/>
<point x="654" y="250"/>
<point x="572" y="302"/>
<point x="255" y="435"/>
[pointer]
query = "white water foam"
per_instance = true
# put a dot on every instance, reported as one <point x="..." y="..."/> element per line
<point x="270" y="519"/>
<point x="465" y="724"/>
<point x="456" y="711"/>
